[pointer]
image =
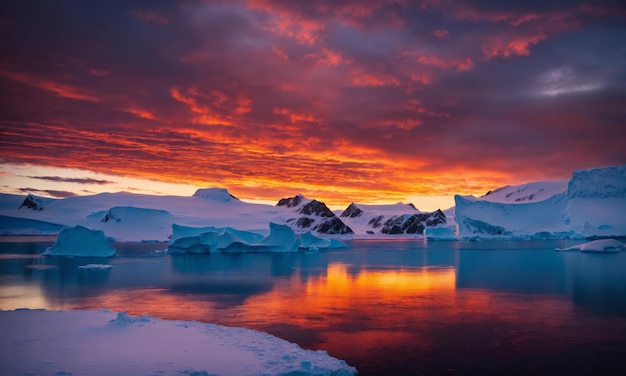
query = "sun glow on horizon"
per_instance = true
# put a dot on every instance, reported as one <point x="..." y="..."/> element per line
<point x="57" y="182"/>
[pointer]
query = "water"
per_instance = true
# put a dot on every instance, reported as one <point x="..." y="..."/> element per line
<point x="386" y="307"/>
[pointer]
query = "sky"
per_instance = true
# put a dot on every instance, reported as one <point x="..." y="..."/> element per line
<point x="375" y="101"/>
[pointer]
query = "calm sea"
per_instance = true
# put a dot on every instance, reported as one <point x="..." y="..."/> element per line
<point x="386" y="307"/>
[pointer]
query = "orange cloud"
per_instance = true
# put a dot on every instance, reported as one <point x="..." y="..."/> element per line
<point x="458" y="64"/>
<point x="519" y="46"/>
<point x="63" y="90"/>
<point x="204" y="114"/>
<point x="366" y="79"/>
<point x="141" y="113"/>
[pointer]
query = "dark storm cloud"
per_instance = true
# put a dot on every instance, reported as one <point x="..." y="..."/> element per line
<point x="378" y="91"/>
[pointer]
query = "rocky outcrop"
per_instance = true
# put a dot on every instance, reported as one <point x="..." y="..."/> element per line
<point x="412" y="224"/>
<point x="290" y="202"/>
<point x="352" y="211"/>
<point x="33" y="203"/>
<point x="313" y="215"/>
<point x="316" y="208"/>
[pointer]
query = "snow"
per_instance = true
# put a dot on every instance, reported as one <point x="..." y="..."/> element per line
<point x="215" y="194"/>
<point x="81" y="241"/>
<point x="281" y="238"/>
<point x="529" y="192"/>
<point x="105" y="343"/>
<point x="25" y="226"/>
<point x="593" y="205"/>
<point x="145" y="217"/>
<point x="590" y="204"/>
<point x="123" y="222"/>
<point x="602" y="245"/>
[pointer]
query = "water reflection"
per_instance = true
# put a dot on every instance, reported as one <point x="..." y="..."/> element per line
<point x="386" y="307"/>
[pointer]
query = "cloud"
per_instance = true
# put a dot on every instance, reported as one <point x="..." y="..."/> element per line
<point x="48" y="192"/>
<point x="342" y="99"/>
<point x="73" y="180"/>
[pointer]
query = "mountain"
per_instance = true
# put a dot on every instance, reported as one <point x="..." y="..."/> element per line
<point x="136" y="217"/>
<point x="396" y="219"/>
<point x="312" y="215"/>
<point x="591" y="205"/>
<point x="34" y="202"/>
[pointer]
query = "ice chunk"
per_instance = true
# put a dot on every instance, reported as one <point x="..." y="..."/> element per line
<point x="95" y="266"/>
<point x="312" y="242"/>
<point x="81" y="241"/>
<point x="603" y="245"/>
<point x="281" y="238"/>
<point x="440" y="233"/>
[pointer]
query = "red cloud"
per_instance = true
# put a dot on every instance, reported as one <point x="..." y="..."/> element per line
<point x="508" y="48"/>
<point x="63" y="90"/>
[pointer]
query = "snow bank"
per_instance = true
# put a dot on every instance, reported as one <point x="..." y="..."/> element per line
<point x="128" y="223"/>
<point x="104" y="343"/>
<point x="81" y="241"/>
<point x="603" y="245"/>
<point x="281" y="238"/>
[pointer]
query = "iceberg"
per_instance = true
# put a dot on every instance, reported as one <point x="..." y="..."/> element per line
<point x="591" y="206"/>
<point x="440" y="233"/>
<point x="81" y="241"/>
<point x="602" y="245"/>
<point x="39" y="342"/>
<point x="281" y="238"/>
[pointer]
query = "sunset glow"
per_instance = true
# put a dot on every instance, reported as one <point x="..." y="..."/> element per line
<point x="374" y="101"/>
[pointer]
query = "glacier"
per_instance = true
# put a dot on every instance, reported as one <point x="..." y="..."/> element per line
<point x="592" y="205"/>
<point x="281" y="238"/>
<point x="81" y="241"/>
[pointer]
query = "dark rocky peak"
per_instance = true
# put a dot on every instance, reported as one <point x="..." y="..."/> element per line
<point x="412" y="224"/>
<point x="333" y="226"/>
<point x="376" y="221"/>
<point x="111" y="216"/>
<point x="352" y="211"/>
<point x="33" y="202"/>
<point x="438" y="214"/>
<point x="291" y="202"/>
<point x="411" y="205"/>
<point x="316" y="208"/>
<point x="436" y="218"/>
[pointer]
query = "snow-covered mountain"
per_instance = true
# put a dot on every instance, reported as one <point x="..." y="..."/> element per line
<point x="592" y="204"/>
<point x="312" y="215"/>
<point x="396" y="219"/>
<point x="135" y="217"/>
